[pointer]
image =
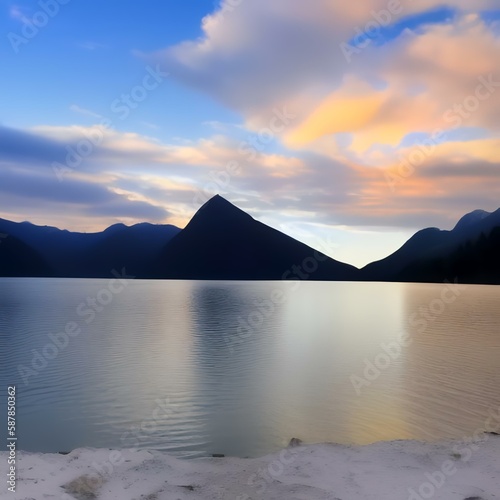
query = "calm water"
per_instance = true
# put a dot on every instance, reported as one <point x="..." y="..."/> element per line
<point x="217" y="367"/>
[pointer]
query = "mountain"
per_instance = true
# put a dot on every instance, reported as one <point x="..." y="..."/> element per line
<point x="470" y="220"/>
<point x="223" y="242"/>
<point x="17" y="259"/>
<point x="62" y="249"/>
<point x="387" y="269"/>
<point x="433" y="255"/>
<point x="132" y="248"/>
<point x="475" y="262"/>
<point x="91" y="255"/>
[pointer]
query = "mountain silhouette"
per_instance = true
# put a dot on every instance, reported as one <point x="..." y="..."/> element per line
<point x="475" y="262"/>
<point x="92" y="255"/>
<point x="132" y="248"/>
<point x="223" y="242"/>
<point x="470" y="220"/>
<point x="434" y="255"/>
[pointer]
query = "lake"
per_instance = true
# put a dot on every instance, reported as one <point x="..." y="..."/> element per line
<point x="239" y="368"/>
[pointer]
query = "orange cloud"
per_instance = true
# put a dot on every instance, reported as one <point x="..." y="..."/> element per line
<point x="349" y="109"/>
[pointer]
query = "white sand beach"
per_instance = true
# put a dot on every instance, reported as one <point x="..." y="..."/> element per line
<point x="397" y="470"/>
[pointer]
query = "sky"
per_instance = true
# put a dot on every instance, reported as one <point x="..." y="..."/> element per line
<point x="347" y="125"/>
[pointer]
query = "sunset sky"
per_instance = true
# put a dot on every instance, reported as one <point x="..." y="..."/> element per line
<point x="348" y="125"/>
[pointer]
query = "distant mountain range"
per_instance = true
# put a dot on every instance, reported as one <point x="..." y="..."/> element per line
<point x="48" y="251"/>
<point x="221" y="242"/>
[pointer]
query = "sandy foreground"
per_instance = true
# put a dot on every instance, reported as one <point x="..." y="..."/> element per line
<point x="399" y="470"/>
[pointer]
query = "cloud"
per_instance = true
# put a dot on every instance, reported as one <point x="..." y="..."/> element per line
<point x="359" y="113"/>
<point x="134" y="174"/>
<point x="86" y="112"/>
<point x="28" y="179"/>
<point x="353" y="121"/>
<point x="16" y="12"/>
<point x="23" y="145"/>
<point x="346" y="110"/>
<point x="295" y="59"/>
<point x="444" y="78"/>
<point x="248" y="72"/>
<point x="92" y="196"/>
<point x="129" y="170"/>
<point x="456" y="177"/>
<point x="119" y="151"/>
<point x="149" y="125"/>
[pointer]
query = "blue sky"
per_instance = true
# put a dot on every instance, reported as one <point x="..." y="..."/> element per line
<point x="85" y="55"/>
<point x="321" y="123"/>
<point x="385" y="34"/>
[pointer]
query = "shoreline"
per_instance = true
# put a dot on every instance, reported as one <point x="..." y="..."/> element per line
<point x="387" y="470"/>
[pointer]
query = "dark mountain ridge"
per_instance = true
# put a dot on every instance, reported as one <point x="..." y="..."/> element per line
<point x="17" y="259"/>
<point x="92" y="255"/>
<point x="417" y="260"/>
<point x="222" y="242"/>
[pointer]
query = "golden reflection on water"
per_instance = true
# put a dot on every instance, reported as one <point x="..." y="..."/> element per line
<point x="451" y="373"/>
<point x="442" y="384"/>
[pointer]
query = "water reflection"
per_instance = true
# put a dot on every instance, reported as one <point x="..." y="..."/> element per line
<point x="451" y="371"/>
<point x="196" y="368"/>
<point x="231" y="356"/>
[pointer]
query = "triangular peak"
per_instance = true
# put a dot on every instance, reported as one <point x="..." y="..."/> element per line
<point x="218" y="209"/>
<point x="217" y="200"/>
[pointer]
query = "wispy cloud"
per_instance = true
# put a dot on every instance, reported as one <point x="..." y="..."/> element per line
<point x="219" y="126"/>
<point x="87" y="112"/>
<point x="92" y="45"/>
<point x="149" y="125"/>
<point x="18" y="13"/>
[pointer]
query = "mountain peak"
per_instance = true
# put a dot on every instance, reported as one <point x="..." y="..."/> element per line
<point x="471" y="218"/>
<point x="217" y="201"/>
<point x="218" y="210"/>
<point x="222" y="242"/>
